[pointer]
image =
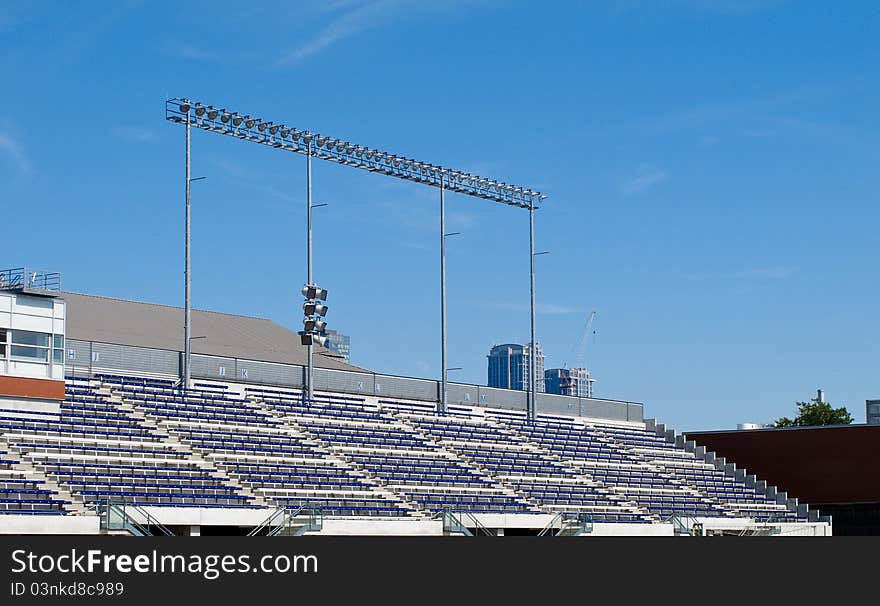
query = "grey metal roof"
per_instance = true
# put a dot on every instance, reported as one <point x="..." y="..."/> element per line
<point x="106" y="320"/>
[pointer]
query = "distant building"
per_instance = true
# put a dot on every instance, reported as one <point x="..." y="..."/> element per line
<point x="509" y="367"/>
<point x="872" y="412"/>
<point x="748" y="426"/>
<point x="576" y="382"/>
<point x="339" y="343"/>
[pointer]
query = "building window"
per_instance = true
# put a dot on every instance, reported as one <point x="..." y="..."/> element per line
<point x="29" y="354"/>
<point x="58" y="349"/>
<point x="26" y="337"/>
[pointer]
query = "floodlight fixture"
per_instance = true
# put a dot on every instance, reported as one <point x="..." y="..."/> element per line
<point x="313" y="308"/>
<point x="313" y="291"/>
<point x="314" y="325"/>
<point x="307" y="338"/>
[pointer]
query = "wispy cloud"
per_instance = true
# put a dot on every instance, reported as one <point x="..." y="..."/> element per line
<point x="721" y="7"/>
<point x="358" y="16"/>
<point x="736" y="7"/>
<point x="541" y="308"/>
<point x="645" y="177"/>
<point x="770" y="273"/>
<point x="766" y="273"/>
<point x="135" y="134"/>
<point x="186" y="51"/>
<point x="11" y="148"/>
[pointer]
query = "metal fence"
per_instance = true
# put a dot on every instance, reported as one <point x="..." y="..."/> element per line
<point x="30" y="280"/>
<point x="86" y="357"/>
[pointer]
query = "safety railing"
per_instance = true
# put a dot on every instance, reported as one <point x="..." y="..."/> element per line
<point x="568" y="524"/>
<point x="30" y="280"/>
<point x="290" y="522"/>
<point x="685" y="525"/>
<point x="120" y="515"/>
<point x="463" y="523"/>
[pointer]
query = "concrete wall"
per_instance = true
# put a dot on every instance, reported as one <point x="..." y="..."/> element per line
<point x="48" y="524"/>
<point x="367" y="527"/>
<point x="631" y="530"/>
<point x="85" y="357"/>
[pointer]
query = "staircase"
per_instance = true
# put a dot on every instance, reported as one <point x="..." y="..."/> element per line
<point x="160" y="427"/>
<point x="448" y="447"/>
<point x="74" y="504"/>
<point x="659" y="469"/>
<point x="337" y="456"/>
<point x="122" y="518"/>
<point x="568" y="524"/>
<point x="289" y="523"/>
<point x="462" y="523"/>
<point x="582" y="472"/>
<point x="749" y="480"/>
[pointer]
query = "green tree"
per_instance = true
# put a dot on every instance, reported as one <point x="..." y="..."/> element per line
<point x="814" y="412"/>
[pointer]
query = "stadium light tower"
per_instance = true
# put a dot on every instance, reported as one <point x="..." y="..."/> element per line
<point x="532" y="408"/>
<point x="286" y="138"/>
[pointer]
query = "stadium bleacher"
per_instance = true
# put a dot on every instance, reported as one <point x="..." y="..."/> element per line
<point x="147" y="442"/>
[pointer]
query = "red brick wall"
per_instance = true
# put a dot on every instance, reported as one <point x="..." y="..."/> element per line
<point x="816" y="465"/>
<point x="31" y="388"/>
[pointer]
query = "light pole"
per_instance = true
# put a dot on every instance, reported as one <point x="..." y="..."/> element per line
<point x="441" y="405"/>
<point x="286" y="138"/>
<point x="444" y="379"/>
<point x="187" y="305"/>
<point x="532" y="407"/>
<point x="532" y="404"/>
<point x="187" y="309"/>
<point x="313" y="323"/>
<point x="310" y="387"/>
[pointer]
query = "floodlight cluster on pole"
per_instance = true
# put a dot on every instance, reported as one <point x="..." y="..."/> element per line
<point x="314" y="326"/>
<point x="196" y="114"/>
<point x="280" y="136"/>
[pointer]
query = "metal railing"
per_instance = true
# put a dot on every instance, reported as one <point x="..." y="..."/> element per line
<point x="29" y="280"/>
<point x="568" y="524"/>
<point x="463" y="523"/>
<point x="97" y="357"/>
<point x="289" y="523"/>
<point x="685" y="525"/>
<point x="120" y="515"/>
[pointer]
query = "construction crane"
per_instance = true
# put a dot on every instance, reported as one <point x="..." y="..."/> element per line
<point x="581" y="345"/>
<point x="579" y="361"/>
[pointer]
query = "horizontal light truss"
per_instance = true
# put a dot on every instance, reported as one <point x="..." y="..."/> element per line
<point x="225" y="122"/>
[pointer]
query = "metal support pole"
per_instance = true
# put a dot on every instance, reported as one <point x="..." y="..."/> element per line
<point x="310" y="378"/>
<point x="532" y="407"/>
<point x="187" y="313"/>
<point x="443" y="371"/>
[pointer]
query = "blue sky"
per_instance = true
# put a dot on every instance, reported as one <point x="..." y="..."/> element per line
<point x="712" y="167"/>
